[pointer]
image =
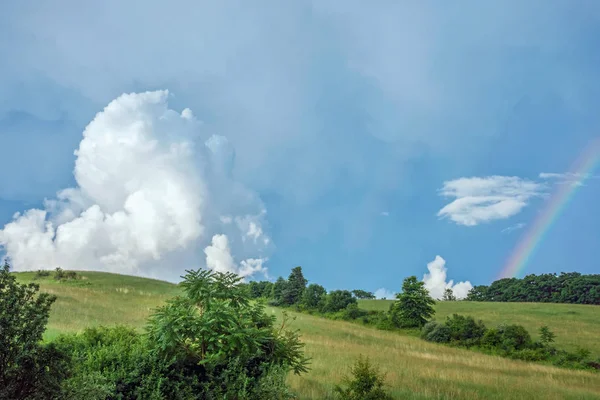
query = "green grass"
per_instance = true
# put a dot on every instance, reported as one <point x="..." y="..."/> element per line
<point x="415" y="369"/>
<point x="574" y="324"/>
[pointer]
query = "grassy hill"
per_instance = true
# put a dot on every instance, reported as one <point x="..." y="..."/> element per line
<point x="415" y="369"/>
<point x="574" y="324"/>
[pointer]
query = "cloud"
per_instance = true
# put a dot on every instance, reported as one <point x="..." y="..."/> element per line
<point x="569" y="178"/>
<point x="435" y="281"/>
<point x="515" y="227"/>
<point x="479" y="200"/>
<point x="383" y="293"/>
<point x="152" y="187"/>
<point x="396" y="79"/>
<point x="384" y="213"/>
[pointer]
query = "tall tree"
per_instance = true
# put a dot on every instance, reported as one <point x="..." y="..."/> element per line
<point x="414" y="306"/>
<point x="279" y="288"/>
<point x="296" y="284"/>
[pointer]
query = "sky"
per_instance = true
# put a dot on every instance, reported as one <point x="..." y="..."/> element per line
<point x="365" y="143"/>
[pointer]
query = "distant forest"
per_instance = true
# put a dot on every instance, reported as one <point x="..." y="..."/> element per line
<point x="571" y="287"/>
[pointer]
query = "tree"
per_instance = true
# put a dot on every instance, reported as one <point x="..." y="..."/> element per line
<point x="314" y="296"/>
<point x="279" y="287"/>
<point x="28" y="369"/>
<point x="296" y="284"/>
<point x="363" y="294"/>
<point x="546" y="335"/>
<point x="366" y="383"/>
<point x="449" y="295"/>
<point x="222" y="338"/>
<point x="414" y="306"/>
<point x="338" y="300"/>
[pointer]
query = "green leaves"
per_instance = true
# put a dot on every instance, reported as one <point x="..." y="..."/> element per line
<point x="413" y="307"/>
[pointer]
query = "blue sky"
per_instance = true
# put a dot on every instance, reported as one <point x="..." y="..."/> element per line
<point x="343" y="124"/>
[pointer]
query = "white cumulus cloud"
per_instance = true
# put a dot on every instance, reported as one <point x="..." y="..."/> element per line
<point x="152" y="189"/>
<point x="478" y="200"/>
<point x="435" y="281"/>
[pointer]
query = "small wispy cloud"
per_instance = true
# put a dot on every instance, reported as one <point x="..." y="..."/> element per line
<point x="514" y="227"/>
<point x="484" y="199"/>
<point x="385" y="213"/>
<point x="568" y="178"/>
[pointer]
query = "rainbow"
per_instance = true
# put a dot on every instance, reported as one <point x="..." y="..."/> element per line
<point x="524" y="250"/>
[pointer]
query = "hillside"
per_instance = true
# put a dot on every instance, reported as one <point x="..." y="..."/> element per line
<point x="415" y="369"/>
<point x="574" y="324"/>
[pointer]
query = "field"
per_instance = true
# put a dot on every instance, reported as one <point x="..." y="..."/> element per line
<point x="574" y="324"/>
<point x="415" y="369"/>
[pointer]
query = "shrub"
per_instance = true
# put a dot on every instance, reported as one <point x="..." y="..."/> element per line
<point x="353" y="312"/>
<point x="436" y="332"/>
<point x="28" y="369"/>
<point x="491" y="338"/>
<point x="546" y="335"/>
<point x="338" y="300"/>
<point x="514" y="337"/>
<point x="366" y="383"/>
<point x="530" y="355"/>
<point x="41" y="274"/>
<point x="465" y="330"/>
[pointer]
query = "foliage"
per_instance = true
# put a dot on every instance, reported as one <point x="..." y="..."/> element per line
<point x="279" y="288"/>
<point x="61" y="275"/>
<point x="41" y="274"/>
<point x="570" y="287"/>
<point x="465" y="330"/>
<point x="366" y="383"/>
<point x="212" y="342"/>
<point x="259" y="289"/>
<point x="338" y="300"/>
<point x="293" y="290"/>
<point x="546" y="335"/>
<point x="435" y="332"/>
<point x="314" y="297"/>
<point x="363" y="294"/>
<point x="28" y="369"/>
<point x="414" y="306"/>
<point x="449" y="295"/>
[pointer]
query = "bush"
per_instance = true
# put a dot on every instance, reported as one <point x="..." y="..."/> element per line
<point x="530" y="355"/>
<point x="491" y="338"/>
<point x="366" y="383"/>
<point x="353" y="312"/>
<point x="61" y="275"/>
<point x="436" y="332"/>
<point x="465" y="330"/>
<point x="41" y="274"/>
<point x="28" y="369"/>
<point x="514" y="337"/>
<point x="338" y="300"/>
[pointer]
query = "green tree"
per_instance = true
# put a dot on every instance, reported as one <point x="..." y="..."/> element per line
<point x="363" y="294"/>
<point x="366" y="383"/>
<point x="28" y="369"/>
<point x="546" y="335"/>
<point x="314" y="296"/>
<point x="414" y="306"/>
<point x="279" y="288"/>
<point x="338" y="300"/>
<point x="449" y="295"/>
<point x="296" y="284"/>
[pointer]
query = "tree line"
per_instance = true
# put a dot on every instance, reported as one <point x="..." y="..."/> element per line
<point x="571" y="287"/>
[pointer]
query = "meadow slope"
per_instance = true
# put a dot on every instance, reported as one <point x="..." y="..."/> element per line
<point x="415" y="369"/>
